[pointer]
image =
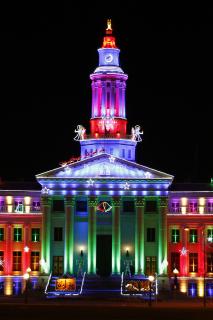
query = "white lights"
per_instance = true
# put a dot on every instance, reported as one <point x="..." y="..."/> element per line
<point x="44" y="265"/>
<point x="26" y="249"/>
<point x="111" y="159"/>
<point x="126" y="186"/>
<point x="90" y="182"/>
<point x="147" y="175"/>
<point x="45" y="190"/>
<point x="183" y="251"/>
<point x="80" y="133"/>
<point x="136" y="134"/>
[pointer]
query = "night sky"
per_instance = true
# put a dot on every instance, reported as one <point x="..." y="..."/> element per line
<point x="47" y="54"/>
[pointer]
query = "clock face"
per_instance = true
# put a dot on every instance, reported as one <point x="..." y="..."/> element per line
<point x="108" y="57"/>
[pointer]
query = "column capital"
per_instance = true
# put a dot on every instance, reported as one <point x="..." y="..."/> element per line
<point x="69" y="201"/>
<point x="139" y="202"/>
<point x="116" y="201"/>
<point x="92" y="202"/>
<point x="163" y="202"/>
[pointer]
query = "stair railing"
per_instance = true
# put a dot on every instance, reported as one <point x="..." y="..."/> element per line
<point x="48" y="282"/>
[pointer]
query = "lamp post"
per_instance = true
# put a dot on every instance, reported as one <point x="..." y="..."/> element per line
<point x="175" y="272"/>
<point x="26" y="277"/>
<point x="151" y="279"/>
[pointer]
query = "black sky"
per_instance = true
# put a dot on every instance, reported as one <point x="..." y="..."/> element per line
<point x="48" y="52"/>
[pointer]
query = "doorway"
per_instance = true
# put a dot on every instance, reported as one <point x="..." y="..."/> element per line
<point x="58" y="263"/>
<point x="104" y="255"/>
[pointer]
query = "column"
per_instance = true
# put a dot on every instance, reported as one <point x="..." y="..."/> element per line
<point x="8" y="254"/>
<point x="69" y="234"/>
<point x="26" y="254"/>
<point x="162" y="234"/>
<point x="139" y="235"/>
<point x="46" y="233"/>
<point x="116" y="236"/>
<point x="92" y="205"/>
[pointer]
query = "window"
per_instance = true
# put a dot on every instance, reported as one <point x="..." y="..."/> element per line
<point x="19" y="206"/>
<point x="192" y="289"/>
<point x="1" y="234"/>
<point x="36" y="206"/>
<point x="129" y="154"/>
<point x="35" y="234"/>
<point x="175" y="236"/>
<point x="81" y="206"/>
<point x="123" y="153"/>
<point x="111" y="150"/>
<point x="175" y="207"/>
<point x="150" y="234"/>
<point x="151" y="265"/>
<point x="1" y="260"/>
<point x="151" y="206"/>
<point x="175" y="261"/>
<point x="210" y="206"/>
<point x="58" y="205"/>
<point x="16" y="260"/>
<point x="58" y="234"/>
<point x="193" y="235"/>
<point x="210" y="262"/>
<point x="17" y="234"/>
<point x="193" y="262"/>
<point x="34" y="261"/>
<point x="210" y="235"/>
<point x="193" y="207"/>
<point x="128" y="206"/>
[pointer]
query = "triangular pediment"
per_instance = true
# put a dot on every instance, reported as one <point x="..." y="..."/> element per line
<point x="104" y="166"/>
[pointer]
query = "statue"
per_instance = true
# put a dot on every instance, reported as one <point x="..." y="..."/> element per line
<point x="136" y="133"/>
<point x="128" y="265"/>
<point x="80" y="264"/>
<point x="80" y="133"/>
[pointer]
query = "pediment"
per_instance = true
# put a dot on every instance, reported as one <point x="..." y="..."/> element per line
<point x="104" y="166"/>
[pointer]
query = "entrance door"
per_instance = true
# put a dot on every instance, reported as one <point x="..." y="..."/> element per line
<point x="58" y="263"/>
<point x="104" y="255"/>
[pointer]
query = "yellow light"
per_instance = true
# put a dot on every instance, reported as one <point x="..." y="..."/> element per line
<point x="27" y="200"/>
<point x="28" y="269"/>
<point x="151" y="278"/>
<point x="184" y="201"/>
<point x="27" y="209"/>
<point x="183" y="285"/>
<point x="26" y="276"/>
<point x="9" y="199"/>
<point x="200" y="286"/>
<point x="8" y="290"/>
<point x="202" y="201"/>
<point x="201" y="210"/>
<point x="9" y="208"/>
<point x="183" y="210"/>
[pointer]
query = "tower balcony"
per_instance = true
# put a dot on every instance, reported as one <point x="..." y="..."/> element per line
<point x="117" y="135"/>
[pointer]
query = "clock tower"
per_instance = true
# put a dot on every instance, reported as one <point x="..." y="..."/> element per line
<point x="108" y="119"/>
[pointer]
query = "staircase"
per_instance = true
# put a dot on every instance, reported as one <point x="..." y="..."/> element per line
<point x="102" y="286"/>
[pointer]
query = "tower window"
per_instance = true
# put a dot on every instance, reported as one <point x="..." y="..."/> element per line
<point x="58" y="205"/>
<point x="175" y="236"/>
<point x="81" y="206"/>
<point x="175" y="261"/>
<point x="2" y="259"/>
<point x="129" y="154"/>
<point x="1" y="234"/>
<point x="150" y="234"/>
<point x="58" y="234"/>
<point x="151" y="265"/>
<point x="35" y="234"/>
<point x="34" y="261"/>
<point x="123" y="153"/>
<point x="111" y="150"/>
<point x="16" y="260"/>
<point x="151" y="206"/>
<point x="193" y="235"/>
<point x="193" y="262"/>
<point x="17" y="234"/>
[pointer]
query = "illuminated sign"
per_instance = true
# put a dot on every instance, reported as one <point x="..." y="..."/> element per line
<point x="137" y="286"/>
<point x="104" y="206"/>
<point x="66" y="284"/>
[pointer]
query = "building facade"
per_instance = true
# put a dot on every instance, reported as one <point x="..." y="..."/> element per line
<point x="98" y="210"/>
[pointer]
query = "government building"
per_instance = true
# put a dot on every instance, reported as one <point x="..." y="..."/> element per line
<point x="103" y="208"/>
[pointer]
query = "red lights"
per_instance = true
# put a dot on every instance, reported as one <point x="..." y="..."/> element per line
<point x="109" y="42"/>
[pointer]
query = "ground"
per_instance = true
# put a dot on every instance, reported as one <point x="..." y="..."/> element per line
<point x="83" y="308"/>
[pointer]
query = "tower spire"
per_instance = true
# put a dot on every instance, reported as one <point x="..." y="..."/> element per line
<point x="109" y="27"/>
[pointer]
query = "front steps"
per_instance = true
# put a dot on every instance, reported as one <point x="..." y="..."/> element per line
<point x="100" y="287"/>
